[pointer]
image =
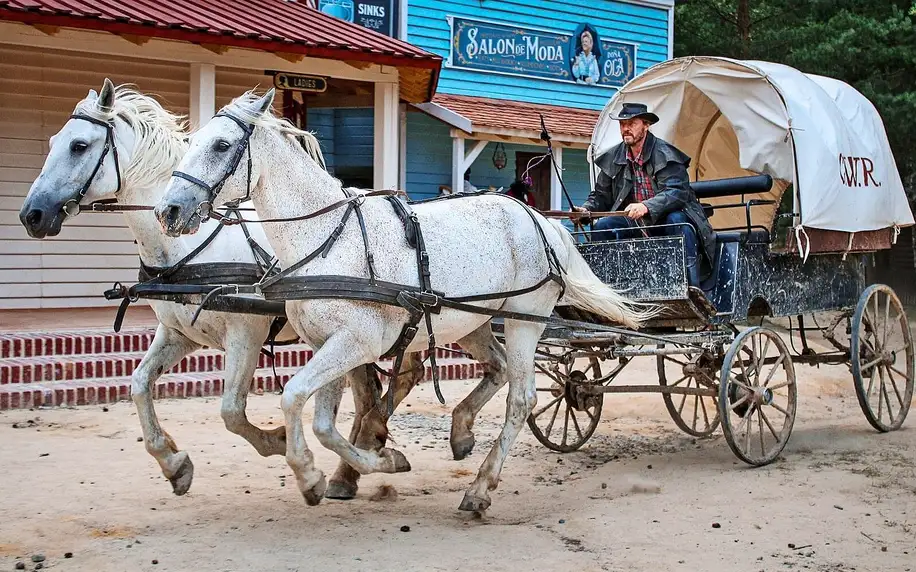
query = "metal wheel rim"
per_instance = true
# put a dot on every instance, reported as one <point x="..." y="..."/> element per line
<point x="559" y="413"/>
<point x="885" y="401"/>
<point x="701" y="410"/>
<point x="759" y="435"/>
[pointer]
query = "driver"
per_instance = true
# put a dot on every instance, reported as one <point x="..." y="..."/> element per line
<point x="647" y="178"/>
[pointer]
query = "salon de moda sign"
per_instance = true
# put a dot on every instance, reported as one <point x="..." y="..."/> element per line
<point x="581" y="56"/>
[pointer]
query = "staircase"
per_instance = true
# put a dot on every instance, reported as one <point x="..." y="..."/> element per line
<point x="68" y="368"/>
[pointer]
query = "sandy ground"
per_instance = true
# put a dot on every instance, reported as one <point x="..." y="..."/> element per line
<point x="639" y="496"/>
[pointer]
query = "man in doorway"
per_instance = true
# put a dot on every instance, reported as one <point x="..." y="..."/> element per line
<point x="646" y="177"/>
<point x="468" y="187"/>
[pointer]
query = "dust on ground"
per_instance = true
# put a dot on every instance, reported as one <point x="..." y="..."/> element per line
<point x="639" y="496"/>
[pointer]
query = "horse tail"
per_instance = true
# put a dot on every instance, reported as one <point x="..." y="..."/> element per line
<point x="586" y="291"/>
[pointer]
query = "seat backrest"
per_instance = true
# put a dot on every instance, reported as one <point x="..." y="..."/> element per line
<point x="732" y="187"/>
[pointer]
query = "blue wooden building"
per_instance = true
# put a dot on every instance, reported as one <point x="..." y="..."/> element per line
<point x="506" y="64"/>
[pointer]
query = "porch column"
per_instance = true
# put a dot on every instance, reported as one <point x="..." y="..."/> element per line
<point x="386" y="134"/>
<point x="461" y="160"/>
<point x="203" y="93"/>
<point x="457" y="163"/>
<point x="556" y="189"/>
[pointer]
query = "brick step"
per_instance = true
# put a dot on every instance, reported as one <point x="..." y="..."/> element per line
<point x="62" y="343"/>
<point x="201" y="384"/>
<point x="36" y="344"/>
<point x="89" y="366"/>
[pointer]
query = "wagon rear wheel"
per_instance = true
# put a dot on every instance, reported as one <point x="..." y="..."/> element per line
<point x="696" y="415"/>
<point x="566" y="415"/>
<point x="757" y="396"/>
<point x="882" y="358"/>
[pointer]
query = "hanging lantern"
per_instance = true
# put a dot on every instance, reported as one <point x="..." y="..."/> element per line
<point x="499" y="156"/>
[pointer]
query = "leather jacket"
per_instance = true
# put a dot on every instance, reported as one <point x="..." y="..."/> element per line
<point x="666" y="166"/>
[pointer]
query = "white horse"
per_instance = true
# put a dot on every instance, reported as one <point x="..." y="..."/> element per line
<point x="476" y="245"/>
<point x="148" y="143"/>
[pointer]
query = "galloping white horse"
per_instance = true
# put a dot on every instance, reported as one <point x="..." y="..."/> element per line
<point x="145" y="143"/>
<point x="476" y="245"/>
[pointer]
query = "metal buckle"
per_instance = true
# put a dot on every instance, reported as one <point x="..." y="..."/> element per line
<point x="203" y="211"/>
<point x="72" y="208"/>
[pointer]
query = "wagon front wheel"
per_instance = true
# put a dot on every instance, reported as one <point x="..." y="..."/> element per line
<point x="881" y="349"/>
<point x="567" y="414"/>
<point x="757" y="396"/>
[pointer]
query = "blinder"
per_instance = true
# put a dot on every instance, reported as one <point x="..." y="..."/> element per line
<point x="72" y="207"/>
<point x="204" y="208"/>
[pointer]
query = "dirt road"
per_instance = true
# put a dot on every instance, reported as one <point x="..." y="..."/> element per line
<point x="639" y="496"/>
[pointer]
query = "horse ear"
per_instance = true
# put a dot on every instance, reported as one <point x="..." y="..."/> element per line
<point x="106" y="97"/>
<point x="266" y="101"/>
<point x="93" y="94"/>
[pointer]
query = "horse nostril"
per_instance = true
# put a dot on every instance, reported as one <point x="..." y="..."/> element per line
<point x="33" y="219"/>
<point x="172" y="215"/>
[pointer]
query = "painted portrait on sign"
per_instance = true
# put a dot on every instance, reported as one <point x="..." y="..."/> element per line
<point x="585" y="56"/>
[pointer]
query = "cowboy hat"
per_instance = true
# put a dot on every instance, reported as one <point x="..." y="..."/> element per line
<point x="632" y="110"/>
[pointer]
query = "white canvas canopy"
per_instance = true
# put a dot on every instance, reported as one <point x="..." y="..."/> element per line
<point x="737" y="118"/>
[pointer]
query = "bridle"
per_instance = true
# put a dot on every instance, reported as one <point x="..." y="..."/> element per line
<point x="73" y="207"/>
<point x="205" y="208"/>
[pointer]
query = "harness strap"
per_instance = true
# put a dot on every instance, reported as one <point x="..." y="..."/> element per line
<point x="324" y="210"/>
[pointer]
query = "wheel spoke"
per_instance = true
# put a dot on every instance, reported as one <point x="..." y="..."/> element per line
<point x="671" y="359"/>
<point x="780" y="385"/>
<point x="741" y="385"/>
<point x="773" y="371"/>
<point x="763" y="356"/>
<point x="680" y="408"/>
<point x="898" y="372"/>
<point x="553" y="419"/>
<point x="680" y="381"/>
<point x="747" y="415"/>
<point x="576" y="425"/>
<point x="763" y="448"/>
<point x="887" y="398"/>
<point x="770" y="425"/>
<point x="741" y="402"/>
<point x="887" y="315"/>
<point x="696" y="411"/>
<point x="894" y="385"/>
<point x="538" y="413"/>
<point x="705" y="413"/>
<point x="780" y="409"/>
<point x="565" y="425"/>
<point x="548" y="373"/>
<point x="880" y="394"/>
<point x="747" y="429"/>
<point x="871" y="364"/>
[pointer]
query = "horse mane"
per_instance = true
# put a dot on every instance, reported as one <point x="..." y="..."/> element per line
<point x="161" y="136"/>
<point x="241" y="108"/>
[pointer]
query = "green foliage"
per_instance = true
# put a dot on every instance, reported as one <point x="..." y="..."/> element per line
<point x="870" y="44"/>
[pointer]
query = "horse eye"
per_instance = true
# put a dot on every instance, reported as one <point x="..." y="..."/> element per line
<point x="78" y="146"/>
<point x="222" y="146"/>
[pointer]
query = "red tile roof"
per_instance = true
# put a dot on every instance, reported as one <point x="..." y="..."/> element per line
<point x="504" y="114"/>
<point x="272" y="25"/>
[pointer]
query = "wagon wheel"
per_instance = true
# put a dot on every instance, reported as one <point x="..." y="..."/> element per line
<point x="757" y="396"/>
<point x="566" y="416"/>
<point x="882" y="358"/>
<point x="696" y="415"/>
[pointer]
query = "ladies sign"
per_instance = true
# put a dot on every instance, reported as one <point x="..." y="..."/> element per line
<point x="581" y="57"/>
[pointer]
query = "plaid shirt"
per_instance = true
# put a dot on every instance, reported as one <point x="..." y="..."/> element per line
<point x="642" y="186"/>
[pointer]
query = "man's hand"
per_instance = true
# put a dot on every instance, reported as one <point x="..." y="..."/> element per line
<point x="636" y="211"/>
<point x="577" y="210"/>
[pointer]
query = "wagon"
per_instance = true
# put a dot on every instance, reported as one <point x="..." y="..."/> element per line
<point x="798" y="180"/>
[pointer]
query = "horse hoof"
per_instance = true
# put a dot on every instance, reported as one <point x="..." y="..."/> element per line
<point x="314" y="495"/>
<point x="181" y="479"/>
<point x="397" y="462"/>
<point x="474" y="503"/>
<point x="341" y="490"/>
<point x="462" y="448"/>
